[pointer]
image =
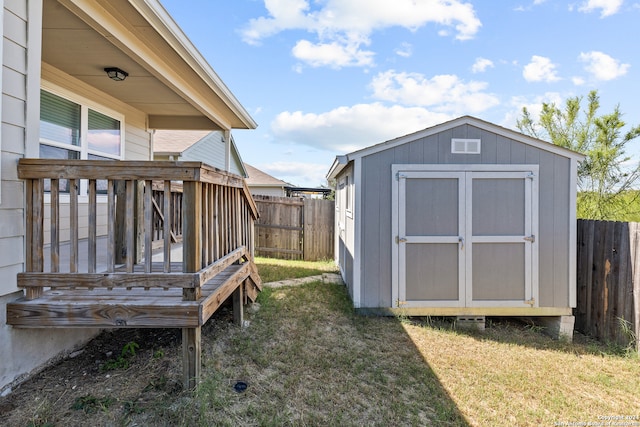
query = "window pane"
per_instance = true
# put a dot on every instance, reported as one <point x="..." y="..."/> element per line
<point x="101" y="184"/>
<point x="49" y="152"/>
<point x="104" y="133"/>
<point x="59" y="119"/>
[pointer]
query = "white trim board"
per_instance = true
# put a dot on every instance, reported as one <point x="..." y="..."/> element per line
<point x="341" y="161"/>
<point x="465" y="174"/>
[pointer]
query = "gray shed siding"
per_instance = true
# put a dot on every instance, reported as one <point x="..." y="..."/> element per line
<point x="554" y="204"/>
<point x="345" y="226"/>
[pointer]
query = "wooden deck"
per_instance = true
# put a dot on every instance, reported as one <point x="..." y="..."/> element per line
<point x="119" y="281"/>
<point x="125" y="300"/>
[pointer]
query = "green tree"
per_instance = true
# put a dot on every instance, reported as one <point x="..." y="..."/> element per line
<point x="607" y="178"/>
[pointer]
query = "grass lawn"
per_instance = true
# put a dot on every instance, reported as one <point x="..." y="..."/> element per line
<point x="308" y="359"/>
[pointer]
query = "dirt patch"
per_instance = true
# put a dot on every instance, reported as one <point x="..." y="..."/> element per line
<point x="121" y="371"/>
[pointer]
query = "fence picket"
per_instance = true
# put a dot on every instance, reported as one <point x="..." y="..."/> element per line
<point x="608" y="280"/>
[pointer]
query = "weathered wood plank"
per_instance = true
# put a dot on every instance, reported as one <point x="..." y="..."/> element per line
<point x="191" y="356"/>
<point x="111" y="226"/>
<point x="218" y="266"/>
<point x="130" y="225"/>
<point x="102" y="314"/>
<point x="55" y="225"/>
<point x="109" y="280"/>
<point x="93" y="224"/>
<point x="35" y="218"/>
<point x="214" y="300"/>
<point x="238" y="305"/>
<point x="167" y="218"/>
<point x="73" y="224"/>
<point x="148" y="225"/>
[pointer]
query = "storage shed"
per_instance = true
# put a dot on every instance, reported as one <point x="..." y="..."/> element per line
<point x="465" y="218"/>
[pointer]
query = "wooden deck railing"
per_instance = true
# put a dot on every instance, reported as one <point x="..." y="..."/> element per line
<point x="217" y="215"/>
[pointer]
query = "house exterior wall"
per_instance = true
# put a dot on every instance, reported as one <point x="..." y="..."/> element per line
<point x="137" y="143"/>
<point x="267" y="191"/>
<point x="24" y="350"/>
<point x="376" y="212"/>
<point x="211" y="150"/>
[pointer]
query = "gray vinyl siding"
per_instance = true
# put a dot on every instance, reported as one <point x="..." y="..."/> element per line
<point x="12" y="144"/>
<point x="554" y="215"/>
<point x="210" y="150"/>
<point x="22" y="351"/>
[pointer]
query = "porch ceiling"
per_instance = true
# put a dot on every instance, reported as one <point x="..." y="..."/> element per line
<point x="168" y="79"/>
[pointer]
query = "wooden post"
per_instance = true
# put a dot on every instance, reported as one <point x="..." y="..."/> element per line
<point x="238" y="305"/>
<point x="191" y="262"/>
<point x="35" y="231"/>
<point x="120" y="232"/>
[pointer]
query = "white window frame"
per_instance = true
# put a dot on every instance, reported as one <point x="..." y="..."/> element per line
<point x="348" y="196"/>
<point x="85" y="104"/>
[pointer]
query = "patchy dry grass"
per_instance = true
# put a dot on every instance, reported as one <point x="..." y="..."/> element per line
<point x="272" y="270"/>
<point x="513" y="375"/>
<point x="308" y="359"/>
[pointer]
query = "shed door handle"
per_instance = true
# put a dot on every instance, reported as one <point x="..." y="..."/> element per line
<point x="461" y="241"/>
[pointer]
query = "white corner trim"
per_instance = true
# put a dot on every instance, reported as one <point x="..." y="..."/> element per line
<point x="573" y="232"/>
<point x="357" y="240"/>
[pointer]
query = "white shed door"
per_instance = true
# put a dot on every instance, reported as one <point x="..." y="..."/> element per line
<point x="465" y="238"/>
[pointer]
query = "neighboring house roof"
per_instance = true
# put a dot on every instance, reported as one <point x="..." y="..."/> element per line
<point x="341" y="161"/>
<point x="203" y="146"/>
<point x="169" y="80"/>
<point x="258" y="178"/>
<point x="174" y="142"/>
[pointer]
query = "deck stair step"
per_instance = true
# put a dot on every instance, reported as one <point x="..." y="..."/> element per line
<point x="112" y="300"/>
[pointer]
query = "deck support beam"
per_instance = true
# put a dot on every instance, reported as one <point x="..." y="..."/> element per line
<point x="238" y="305"/>
<point x="191" y="339"/>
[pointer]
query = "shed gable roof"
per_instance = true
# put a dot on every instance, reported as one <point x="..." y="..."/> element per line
<point x="341" y="161"/>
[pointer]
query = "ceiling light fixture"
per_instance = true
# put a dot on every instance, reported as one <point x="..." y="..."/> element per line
<point x="116" y="74"/>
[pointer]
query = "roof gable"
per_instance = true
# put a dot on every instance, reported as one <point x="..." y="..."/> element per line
<point x="257" y="178"/>
<point x="341" y="161"/>
<point x="197" y="145"/>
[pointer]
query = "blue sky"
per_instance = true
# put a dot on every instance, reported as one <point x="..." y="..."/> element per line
<point x="327" y="77"/>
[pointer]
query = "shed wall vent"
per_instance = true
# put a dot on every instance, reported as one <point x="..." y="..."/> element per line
<point x="465" y="146"/>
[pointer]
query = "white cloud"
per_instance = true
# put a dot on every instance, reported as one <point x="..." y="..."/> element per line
<point x="405" y="50"/>
<point x="444" y="93"/>
<point x="578" y="81"/>
<point x="350" y="23"/>
<point x="603" y="67"/>
<point x="607" y="7"/>
<point x="481" y="65"/>
<point x="346" y="129"/>
<point x="533" y="105"/>
<point x="334" y="54"/>
<point x="540" y="69"/>
<point x="297" y="173"/>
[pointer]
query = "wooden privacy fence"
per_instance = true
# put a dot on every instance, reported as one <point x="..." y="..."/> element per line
<point x="293" y="228"/>
<point x="608" y="279"/>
